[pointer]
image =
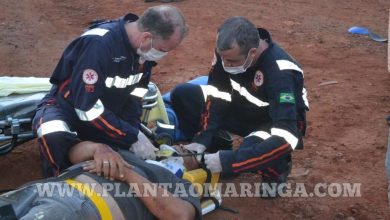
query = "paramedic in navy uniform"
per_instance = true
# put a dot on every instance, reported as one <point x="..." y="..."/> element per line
<point x="255" y="89"/>
<point x="97" y="89"/>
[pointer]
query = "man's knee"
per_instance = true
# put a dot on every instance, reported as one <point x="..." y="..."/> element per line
<point x="186" y="93"/>
<point x="188" y="103"/>
<point x="179" y="93"/>
<point x="280" y="167"/>
<point x="273" y="167"/>
<point x="250" y="141"/>
<point x="54" y="148"/>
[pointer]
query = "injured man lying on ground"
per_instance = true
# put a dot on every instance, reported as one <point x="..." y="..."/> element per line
<point x="147" y="191"/>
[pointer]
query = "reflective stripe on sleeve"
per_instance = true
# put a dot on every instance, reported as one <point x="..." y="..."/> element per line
<point x="52" y="126"/>
<point x="288" y="65"/>
<point x="261" y="134"/>
<point x="290" y="138"/>
<point x="213" y="91"/>
<point x="121" y="83"/>
<point x="96" y="31"/>
<point x="304" y="97"/>
<point x="247" y="95"/>
<point x="139" y="92"/>
<point x="92" y="113"/>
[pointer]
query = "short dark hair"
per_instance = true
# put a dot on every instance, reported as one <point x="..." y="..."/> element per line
<point x="238" y="30"/>
<point x="162" y="21"/>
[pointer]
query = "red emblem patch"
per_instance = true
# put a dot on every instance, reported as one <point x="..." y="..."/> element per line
<point x="90" y="76"/>
<point x="89" y="88"/>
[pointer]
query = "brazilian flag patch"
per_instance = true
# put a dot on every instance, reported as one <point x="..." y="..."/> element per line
<point x="287" y="98"/>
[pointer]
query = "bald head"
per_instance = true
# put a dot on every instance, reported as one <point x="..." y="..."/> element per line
<point x="163" y="21"/>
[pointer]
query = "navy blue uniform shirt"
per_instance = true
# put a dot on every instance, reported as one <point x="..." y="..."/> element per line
<point x="270" y="92"/>
<point x="101" y="80"/>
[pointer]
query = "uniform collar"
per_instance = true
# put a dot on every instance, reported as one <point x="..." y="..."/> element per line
<point x="122" y="21"/>
<point x="264" y="35"/>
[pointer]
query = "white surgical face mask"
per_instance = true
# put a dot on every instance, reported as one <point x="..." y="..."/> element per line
<point x="234" y="70"/>
<point x="152" y="54"/>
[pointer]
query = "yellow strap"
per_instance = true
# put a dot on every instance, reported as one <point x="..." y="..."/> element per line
<point x="97" y="200"/>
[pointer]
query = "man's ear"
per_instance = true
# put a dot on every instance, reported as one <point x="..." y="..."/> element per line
<point x="146" y="35"/>
<point x="144" y="39"/>
<point x="252" y="52"/>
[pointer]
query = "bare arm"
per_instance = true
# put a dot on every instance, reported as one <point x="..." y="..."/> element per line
<point x="83" y="151"/>
<point x="108" y="162"/>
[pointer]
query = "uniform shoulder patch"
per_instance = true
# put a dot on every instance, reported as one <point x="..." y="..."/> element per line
<point x="287" y="98"/>
<point x="90" y="76"/>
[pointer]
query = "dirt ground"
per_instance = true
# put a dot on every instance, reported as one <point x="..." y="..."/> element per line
<point x="347" y="134"/>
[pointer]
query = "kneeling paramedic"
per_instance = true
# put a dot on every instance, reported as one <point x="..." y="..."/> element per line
<point x="256" y="90"/>
<point x="98" y="87"/>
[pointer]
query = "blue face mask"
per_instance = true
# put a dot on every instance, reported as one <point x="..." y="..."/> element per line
<point x="238" y="69"/>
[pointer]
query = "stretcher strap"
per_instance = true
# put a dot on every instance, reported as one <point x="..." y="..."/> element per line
<point x="97" y="200"/>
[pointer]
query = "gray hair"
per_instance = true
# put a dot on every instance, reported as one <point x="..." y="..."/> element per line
<point x="240" y="31"/>
<point x="162" y="21"/>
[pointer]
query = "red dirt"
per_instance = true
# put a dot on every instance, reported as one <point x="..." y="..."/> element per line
<point x="347" y="133"/>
